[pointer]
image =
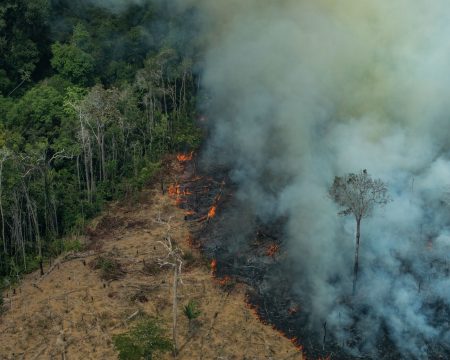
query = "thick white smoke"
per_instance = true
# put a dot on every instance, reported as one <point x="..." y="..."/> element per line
<point x="302" y="91"/>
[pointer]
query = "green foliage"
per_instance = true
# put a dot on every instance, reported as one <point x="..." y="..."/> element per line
<point x="60" y="246"/>
<point x="191" y="310"/>
<point x="146" y="340"/>
<point x="38" y="113"/>
<point x="88" y="108"/>
<point x="23" y="41"/>
<point x="72" y="63"/>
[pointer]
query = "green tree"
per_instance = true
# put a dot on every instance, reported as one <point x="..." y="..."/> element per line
<point x="72" y="63"/>
<point x="38" y="114"/>
<point x="23" y="41"/>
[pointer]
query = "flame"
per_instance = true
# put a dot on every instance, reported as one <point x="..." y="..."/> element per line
<point x="173" y="190"/>
<point x="212" y="212"/>
<point x="224" y="281"/>
<point x="185" y="157"/>
<point x="272" y="250"/>
<point x="213" y="265"/>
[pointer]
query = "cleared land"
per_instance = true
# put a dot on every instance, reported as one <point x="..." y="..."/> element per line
<point x="74" y="310"/>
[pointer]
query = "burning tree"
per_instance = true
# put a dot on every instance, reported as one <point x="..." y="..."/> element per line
<point x="358" y="194"/>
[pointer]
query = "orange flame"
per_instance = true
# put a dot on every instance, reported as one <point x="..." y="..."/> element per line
<point x="272" y="250"/>
<point x="224" y="281"/>
<point x="213" y="265"/>
<point x="173" y="190"/>
<point x="212" y="212"/>
<point x="185" y="157"/>
<point x="177" y="193"/>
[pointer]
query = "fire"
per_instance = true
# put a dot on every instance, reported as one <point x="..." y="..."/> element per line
<point x="224" y="281"/>
<point x="185" y="157"/>
<point x="254" y="309"/>
<point x="212" y="212"/>
<point x="213" y="265"/>
<point x="174" y="189"/>
<point x="178" y="193"/>
<point x="272" y="250"/>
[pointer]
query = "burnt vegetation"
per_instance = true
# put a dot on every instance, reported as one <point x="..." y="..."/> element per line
<point x="260" y="260"/>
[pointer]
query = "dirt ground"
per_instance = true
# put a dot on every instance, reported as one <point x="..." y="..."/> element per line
<point x="72" y="313"/>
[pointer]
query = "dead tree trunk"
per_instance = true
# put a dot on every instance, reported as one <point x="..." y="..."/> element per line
<point x="175" y="309"/>
<point x="174" y="259"/>
<point x="356" y="265"/>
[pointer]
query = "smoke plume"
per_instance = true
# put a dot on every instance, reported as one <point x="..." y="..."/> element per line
<point x="302" y="91"/>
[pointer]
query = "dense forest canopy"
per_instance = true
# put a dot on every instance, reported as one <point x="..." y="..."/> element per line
<point x="90" y="100"/>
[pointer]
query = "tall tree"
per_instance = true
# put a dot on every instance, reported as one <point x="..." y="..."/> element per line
<point x="358" y="194"/>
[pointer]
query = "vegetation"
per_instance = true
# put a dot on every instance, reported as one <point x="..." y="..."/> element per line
<point x="191" y="311"/>
<point x="90" y="101"/>
<point x="144" y="341"/>
<point x="358" y="194"/>
<point x="110" y="268"/>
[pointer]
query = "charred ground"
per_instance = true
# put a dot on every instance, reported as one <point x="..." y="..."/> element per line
<point x="255" y="254"/>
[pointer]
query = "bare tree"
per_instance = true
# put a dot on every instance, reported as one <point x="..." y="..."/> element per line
<point x="358" y="194"/>
<point x="174" y="259"/>
<point x="4" y="155"/>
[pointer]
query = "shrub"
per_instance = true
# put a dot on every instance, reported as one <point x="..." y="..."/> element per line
<point x="146" y="340"/>
<point x="192" y="312"/>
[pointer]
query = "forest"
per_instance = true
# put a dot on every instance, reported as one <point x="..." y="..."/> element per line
<point x="91" y="99"/>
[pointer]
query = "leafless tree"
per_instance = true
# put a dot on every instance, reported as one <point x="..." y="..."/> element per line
<point x="358" y="194"/>
<point x="174" y="259"/>
<point x="100" y="110"/>
<point x="4" y="155"/>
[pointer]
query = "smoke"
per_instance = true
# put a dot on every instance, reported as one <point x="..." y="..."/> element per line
<point x="302" y="91"/>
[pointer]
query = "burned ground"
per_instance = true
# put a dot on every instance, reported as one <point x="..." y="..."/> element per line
<point x="250" y="251"/>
